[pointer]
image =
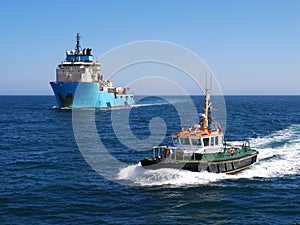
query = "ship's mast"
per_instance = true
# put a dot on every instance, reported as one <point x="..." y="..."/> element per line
<point x="206" y="105"/>
<point x="77" y="47"/>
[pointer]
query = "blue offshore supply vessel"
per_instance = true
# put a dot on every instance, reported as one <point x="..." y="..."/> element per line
<point x="79" y="83"/>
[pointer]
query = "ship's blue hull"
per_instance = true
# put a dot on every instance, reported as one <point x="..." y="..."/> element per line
<point x="88" y="95"/>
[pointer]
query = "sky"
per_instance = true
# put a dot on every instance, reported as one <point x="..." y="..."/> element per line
<point x="252" y="46"/>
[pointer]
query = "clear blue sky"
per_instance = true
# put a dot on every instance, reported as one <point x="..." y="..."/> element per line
<point x="252" y="46"/>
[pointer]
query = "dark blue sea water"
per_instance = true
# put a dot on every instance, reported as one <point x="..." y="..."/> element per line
<point x="45" y="177"/>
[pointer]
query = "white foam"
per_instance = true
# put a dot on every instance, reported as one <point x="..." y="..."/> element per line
<point x="171" y="177"/>
<point x="147" y="104"/>
<point x="279" y="161"/>
<point x="272" y="162"/>
<point x="287" y="134"/>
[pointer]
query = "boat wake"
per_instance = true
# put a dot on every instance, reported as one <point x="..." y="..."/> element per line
<point x="279" y="155"/>
<point x="149" y="104"/>
<point x="137" y="175"/>
<point x="162" y="100"/>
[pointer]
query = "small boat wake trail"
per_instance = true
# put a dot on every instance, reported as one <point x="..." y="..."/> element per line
<point x="137" y="175"/>
<point x="148" y="104"/>
<point x="279" y="155"/>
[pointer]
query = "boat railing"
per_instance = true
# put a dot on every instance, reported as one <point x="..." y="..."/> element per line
<point x="237" y="149"/>
<point x="245" y="145"/>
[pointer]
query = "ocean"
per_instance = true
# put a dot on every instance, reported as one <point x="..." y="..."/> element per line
<point x="49" y="176"/>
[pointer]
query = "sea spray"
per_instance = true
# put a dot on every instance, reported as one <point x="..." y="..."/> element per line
<point x="272" y="162"/>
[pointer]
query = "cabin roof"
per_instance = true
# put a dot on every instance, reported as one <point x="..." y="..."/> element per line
<point x="198" y="133"/>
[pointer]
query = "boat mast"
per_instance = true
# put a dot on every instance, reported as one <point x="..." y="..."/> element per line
<point x="206" y="105"/>
<point x="77" y="47"/>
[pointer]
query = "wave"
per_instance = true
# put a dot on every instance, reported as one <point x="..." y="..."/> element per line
<point x="273" y="162"/>
<point x="137" y="175"/>
<point x="282" y="160"/>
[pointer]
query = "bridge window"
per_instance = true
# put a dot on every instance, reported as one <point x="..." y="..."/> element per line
<point x="212" y="141"/>
<point x="185" y="141"/>
<point x="217" y="140"/>
<point x="196" y="141"/>
<point x="175" y="140"/>
<point x="205" y="141"/>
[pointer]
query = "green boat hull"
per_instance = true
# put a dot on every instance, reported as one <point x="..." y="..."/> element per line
<point x="222" y="162"/>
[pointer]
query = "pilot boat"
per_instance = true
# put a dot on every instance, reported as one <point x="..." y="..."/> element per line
<point x="202" y="148"/>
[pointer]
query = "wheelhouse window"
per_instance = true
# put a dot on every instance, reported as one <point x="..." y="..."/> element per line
<point x="212" y="141"/>
<point x="196" y="141"/>
<point x="175" y="140"/>
<point x="185" y="141"/>
<point x="217" y="140"/>
<point x="206" y="141"/>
